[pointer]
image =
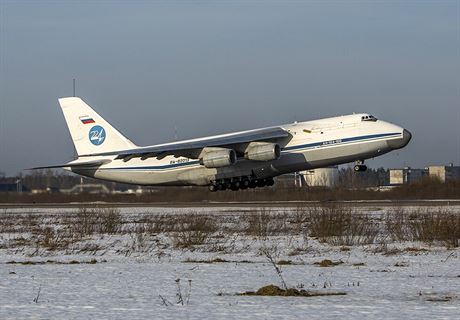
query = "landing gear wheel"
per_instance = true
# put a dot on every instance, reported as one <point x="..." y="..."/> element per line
<point x="235" y="186"/>
<point x="261" y="183"/>
<point x="239" y="183"/>
<point x="244" y="184"/>
<point x="270" y="182"/>
<point x="360" y="167"/>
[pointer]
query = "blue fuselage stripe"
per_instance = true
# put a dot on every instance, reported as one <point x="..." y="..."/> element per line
<point x="165" y="166"/>
<point x="341" y="141"/>
<point x="334" y="142"/>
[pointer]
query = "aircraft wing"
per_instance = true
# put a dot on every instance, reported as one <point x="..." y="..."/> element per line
<point x="80" y="164"/>
<point x="192" y="148"/>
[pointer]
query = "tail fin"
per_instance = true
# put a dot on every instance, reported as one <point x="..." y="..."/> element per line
<point x="90" y="132"/>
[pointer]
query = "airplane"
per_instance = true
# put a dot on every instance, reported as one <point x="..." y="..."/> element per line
<point x="234" y="161"/>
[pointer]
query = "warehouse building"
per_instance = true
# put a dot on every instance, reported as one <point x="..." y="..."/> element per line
<point x="444" y="173"/>
<point x="321" y="177"/>
<point x="406" y="175"/>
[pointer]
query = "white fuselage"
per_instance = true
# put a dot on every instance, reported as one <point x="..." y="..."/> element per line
<point x="312" y="144"/>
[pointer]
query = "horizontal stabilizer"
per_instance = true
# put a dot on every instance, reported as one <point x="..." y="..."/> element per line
<point x="94" y="163"/>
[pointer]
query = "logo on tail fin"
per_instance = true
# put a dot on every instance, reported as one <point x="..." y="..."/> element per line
<point x="87" y="120"/>
<point x="97" y="135"/>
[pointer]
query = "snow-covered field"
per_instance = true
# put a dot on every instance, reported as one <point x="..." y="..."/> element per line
<point x="137" y="270"/>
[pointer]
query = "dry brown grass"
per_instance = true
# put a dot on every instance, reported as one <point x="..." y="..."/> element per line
<point x="52" y="239"/>
<point x="258" y="223"/>
<point x="328" y="263"/>
<point x="194" y="230"/>
<point x="88" y="221"/>
<point x="339" y="225"/>
<point x="30" y="262"/>
<point x="421" y="225"/>
<point x="425" y="189"/>
<point x="272" y="290"/>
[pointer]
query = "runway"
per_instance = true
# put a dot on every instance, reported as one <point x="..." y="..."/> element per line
<point x="255" y="204"/>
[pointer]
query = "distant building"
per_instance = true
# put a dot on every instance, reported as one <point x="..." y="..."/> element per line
<point x="406" y="175"/>
<point x="321" y="177"/>
<point x="94" y="188"/>
<point x="287" y="180"/>
<point x="13" y="187"/>
<point x="45" y="190"/>
<point x="444" y="173"/>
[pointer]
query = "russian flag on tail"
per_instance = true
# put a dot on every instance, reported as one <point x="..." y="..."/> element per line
<point x="86" y="120"/>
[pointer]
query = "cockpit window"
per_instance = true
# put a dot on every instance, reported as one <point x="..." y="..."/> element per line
<point x="368" y="118"/>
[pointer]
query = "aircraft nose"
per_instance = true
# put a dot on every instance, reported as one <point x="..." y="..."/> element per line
<point x="402" y="142"/>
<point x="406" y="137"/>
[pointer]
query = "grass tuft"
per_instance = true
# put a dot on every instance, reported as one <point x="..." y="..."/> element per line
<point x="272" y="290"/>
<point x="328" y="263"/>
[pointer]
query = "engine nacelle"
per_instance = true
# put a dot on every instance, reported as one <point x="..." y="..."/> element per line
<point x="262" y="151"/>
<point x="217" y="157"/>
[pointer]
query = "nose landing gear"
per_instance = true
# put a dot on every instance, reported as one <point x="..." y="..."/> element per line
<point x="360" y="166"/>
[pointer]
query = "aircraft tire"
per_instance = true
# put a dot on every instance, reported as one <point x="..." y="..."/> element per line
<point x="261" y="183"/>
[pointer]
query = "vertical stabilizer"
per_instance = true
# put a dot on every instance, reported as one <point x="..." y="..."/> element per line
<point x="90" y="132"/>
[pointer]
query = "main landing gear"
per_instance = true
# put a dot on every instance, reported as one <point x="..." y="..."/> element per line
<point x="360" y="166"/>
<point x="241" y="183"/>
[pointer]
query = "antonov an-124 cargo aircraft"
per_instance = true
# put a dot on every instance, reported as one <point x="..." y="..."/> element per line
<point x="240" y="160"/>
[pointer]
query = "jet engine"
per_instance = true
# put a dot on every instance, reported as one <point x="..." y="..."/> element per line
<point x="212" y="157"/>
<point x="262" y="151"/>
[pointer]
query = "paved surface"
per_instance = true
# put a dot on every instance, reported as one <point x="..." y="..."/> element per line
<point x="383" y="203"/>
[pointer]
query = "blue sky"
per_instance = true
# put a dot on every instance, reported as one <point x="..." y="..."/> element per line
<point x="211" y="67"/>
